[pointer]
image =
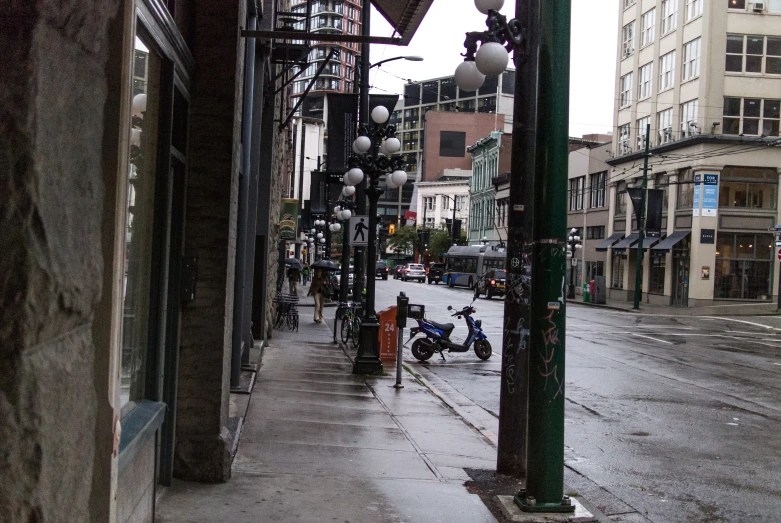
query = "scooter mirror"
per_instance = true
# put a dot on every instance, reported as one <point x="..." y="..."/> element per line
<point x="450" y="307"/>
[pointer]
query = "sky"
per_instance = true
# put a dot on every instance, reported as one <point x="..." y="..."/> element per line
<point x="440" y="40"/>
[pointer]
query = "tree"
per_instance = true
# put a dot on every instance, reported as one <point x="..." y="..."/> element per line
<point x="404" y="240"/>
<point x="439" y="242"/>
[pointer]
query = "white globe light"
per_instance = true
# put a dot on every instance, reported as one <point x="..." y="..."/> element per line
<point x="319" y="235"/>
<point x="313" y="231"/>
<point x="346" y="214"/>
<point x="354" y="175"/>
<point x="337" y="227"/>
<point x="392" y="145"/>
<point x="139" y="105"/>
<point x="362" y="144"/>
<point x="135" y="137"/>
<point x="383" y="150"/>
<point x="389" y="182"/>
<point x="348" y="190"/>
<point x="492" y="59"/>
<point x="484" y="5"/>
<point x="399" y="178"/>
<point x="346" y="180"/>
<point x="322" y="240"/>
<point x="468" y="78"/>
<point x="380" y="114"/>
<point x="337" y="209"/>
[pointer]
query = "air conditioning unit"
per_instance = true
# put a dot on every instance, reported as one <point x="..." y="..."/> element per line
<point x="758" y="7"/>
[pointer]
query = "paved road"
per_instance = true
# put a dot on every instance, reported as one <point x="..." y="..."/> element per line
<point x="677" y="416"/>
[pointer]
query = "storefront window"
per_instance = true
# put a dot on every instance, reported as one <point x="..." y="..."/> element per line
<point x="748" y="188"/>
<point x="619" y="261"/>
<point x="658" y="265"/>
<point x="744" y="266"/>
<point x="140" y="219"/>
<point x="685" y="189"/>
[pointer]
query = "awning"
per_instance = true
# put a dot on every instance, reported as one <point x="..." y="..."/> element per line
<point x="648" y="243"/>
<point x="626" y="243"/>
<point x="671" y="241"/>
<point x="610" y="241"/>
<point x="404" y="15"/>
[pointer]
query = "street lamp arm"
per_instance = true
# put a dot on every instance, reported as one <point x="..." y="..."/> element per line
<point x="410" y="58"/>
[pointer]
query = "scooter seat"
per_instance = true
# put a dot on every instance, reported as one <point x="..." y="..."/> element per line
<point x="446" y="327"/>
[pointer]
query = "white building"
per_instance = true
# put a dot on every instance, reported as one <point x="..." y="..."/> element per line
<point x="705" y="75"/>
<point x="435" y="200"/>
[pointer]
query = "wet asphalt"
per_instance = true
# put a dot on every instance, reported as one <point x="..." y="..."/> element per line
<point x="679" y="417"/>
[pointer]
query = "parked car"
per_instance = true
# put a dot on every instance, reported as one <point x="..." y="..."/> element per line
<point x="337" y="283"/>
<point x="435" y="272"/>
<point x="398" y="272"/>
<point x="492" y="283"/>
<point x="381" y="271"/>
<point x="414" y="271"/>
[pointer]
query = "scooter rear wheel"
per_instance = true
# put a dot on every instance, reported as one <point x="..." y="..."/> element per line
<point x="422" y="350"/>
<point x="483" y="349"/>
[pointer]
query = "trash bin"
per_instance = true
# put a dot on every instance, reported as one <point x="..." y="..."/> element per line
<point x="586" y="293"/>
<point x="387" y="334"/>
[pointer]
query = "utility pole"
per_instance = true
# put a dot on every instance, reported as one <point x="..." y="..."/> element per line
<point x="641" y="222"/>
<point x="359" y="277"/>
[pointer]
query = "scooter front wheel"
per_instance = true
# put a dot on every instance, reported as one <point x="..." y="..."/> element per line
<point x="422" y="350"/>
<point x="483" y="349"/>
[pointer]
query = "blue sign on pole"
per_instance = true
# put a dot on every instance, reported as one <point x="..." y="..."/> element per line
<point x="710" y="195"/>
<point x="696" y="200"/>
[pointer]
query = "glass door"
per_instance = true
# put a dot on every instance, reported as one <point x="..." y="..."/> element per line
<point x="680" y="279"/>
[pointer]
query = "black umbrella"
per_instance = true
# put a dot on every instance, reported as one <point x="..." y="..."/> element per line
<point x="294" y="263"/>
<point x="326" y="265"/>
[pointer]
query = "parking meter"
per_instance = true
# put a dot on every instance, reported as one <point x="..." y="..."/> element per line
<point x="402" y="310"/>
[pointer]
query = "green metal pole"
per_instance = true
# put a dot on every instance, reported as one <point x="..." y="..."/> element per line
<point x="641" y="223"/>
<point x="545" y="447"/>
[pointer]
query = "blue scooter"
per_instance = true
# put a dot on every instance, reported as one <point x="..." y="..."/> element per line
<point x="438" y="337"/>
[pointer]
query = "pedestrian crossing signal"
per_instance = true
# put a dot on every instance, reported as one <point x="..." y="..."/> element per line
<point x="392" y="228"/>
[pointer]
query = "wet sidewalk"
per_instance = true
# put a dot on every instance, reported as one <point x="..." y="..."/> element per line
<point x="319" y="444"/>
<point x="719" y="309"/>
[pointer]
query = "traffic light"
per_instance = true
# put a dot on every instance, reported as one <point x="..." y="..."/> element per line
<point x="392" y="228"/>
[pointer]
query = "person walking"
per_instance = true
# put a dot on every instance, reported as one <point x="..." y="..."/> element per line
<point x="319" y="290"/>
<point x="305" y="274"/>
<point x="293" y="277"/>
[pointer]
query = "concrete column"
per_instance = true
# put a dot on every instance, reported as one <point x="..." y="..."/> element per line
<point x="611" y="213"/>
<point x="57" y="217"/>
<point x="672" y="203"/>
<point x="203" y="441"/>
<point x="702" y="255"/>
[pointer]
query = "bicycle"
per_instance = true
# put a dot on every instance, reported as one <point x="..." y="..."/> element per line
<point x="351" y="325"/>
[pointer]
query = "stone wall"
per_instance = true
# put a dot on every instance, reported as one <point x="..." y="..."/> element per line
<point x="52" y="96"/>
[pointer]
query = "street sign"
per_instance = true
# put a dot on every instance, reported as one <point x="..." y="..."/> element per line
<point x="778" y="243"/>
<point x="359" y="231"/>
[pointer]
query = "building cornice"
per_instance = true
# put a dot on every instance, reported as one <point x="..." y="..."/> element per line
<point x="696" y="140"/>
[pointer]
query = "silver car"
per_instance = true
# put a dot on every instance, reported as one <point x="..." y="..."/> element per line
<point x="414" y="271"/>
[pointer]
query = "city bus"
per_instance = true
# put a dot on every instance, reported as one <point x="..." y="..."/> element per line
<point x="465" y="264"/>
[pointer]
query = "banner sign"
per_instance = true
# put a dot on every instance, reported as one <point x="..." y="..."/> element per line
<point x="636" y="196"/>
<point x="288" y="222"/>
<point x="710" y="195"/>
<point x="696" y="200"/>
<point x="342" y="121"/>
<point x="317" y="195"/>
<point x="653" y="220"/>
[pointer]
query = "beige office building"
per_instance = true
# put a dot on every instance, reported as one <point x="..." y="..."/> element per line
<point x="705" y="75"/>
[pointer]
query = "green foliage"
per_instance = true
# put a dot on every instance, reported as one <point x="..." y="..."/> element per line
<point x="439" y="242"/>
<point x="404" y="240"/>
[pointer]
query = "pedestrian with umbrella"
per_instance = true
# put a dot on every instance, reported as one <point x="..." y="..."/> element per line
<point x="319" y="290"/>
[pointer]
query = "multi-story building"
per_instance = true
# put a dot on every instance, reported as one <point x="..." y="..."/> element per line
<point x="435" y="199"/>
<point x="587" y="204"/>
<point x="442" y="94"/>
<point x="490" y="157"/>
<point x="705" y="77"/>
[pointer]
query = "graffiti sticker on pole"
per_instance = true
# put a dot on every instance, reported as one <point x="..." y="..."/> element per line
<point x="359" y="231"/>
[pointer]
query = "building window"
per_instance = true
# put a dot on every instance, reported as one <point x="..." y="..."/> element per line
<point x="744" y="266"/>
<point x="665" y="126"/>
<point x="736" y="4"/>
<point x="620" y="199"/>
<point x="689" y="118"/>
<point x="445" y="203"/>
<point x="642" y="131"/>
<point x="595" y="233"/>
<point x="748" y="187"/>
<point x="685" y="189"/>
<point x="625" y="90"/>
<point x="594" y="269"/>
<point x="627" y="3"/>
<point x="576" y="189"/>
<point x="429" y="203"/>
<point x="750" y="116"/>
<point x="140" y="235"/>
<point x="624" y="144"/>
<point x="669" y="16"/>
<point x="645" y="75"/>
<point x="753" y="54"/>
<point x="452" y="144"/>
<point x="691" y="59"/>
<point x="667" y="71"/>
<point x="648" y="27"/>
<point x="460" y="203"/>
<point x="661" y="181"/>
<point x="467" y="106"/>
<point x="656" y="281"/>
<point x="628" y="39"/>
<point x="619" y="262"/>
<point x="598" y="185"/>
<point x="693" y="9"/>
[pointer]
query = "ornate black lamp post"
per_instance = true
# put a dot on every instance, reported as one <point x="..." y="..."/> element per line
<point x="375" y="154"/>
<point x="573" y="244"/>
